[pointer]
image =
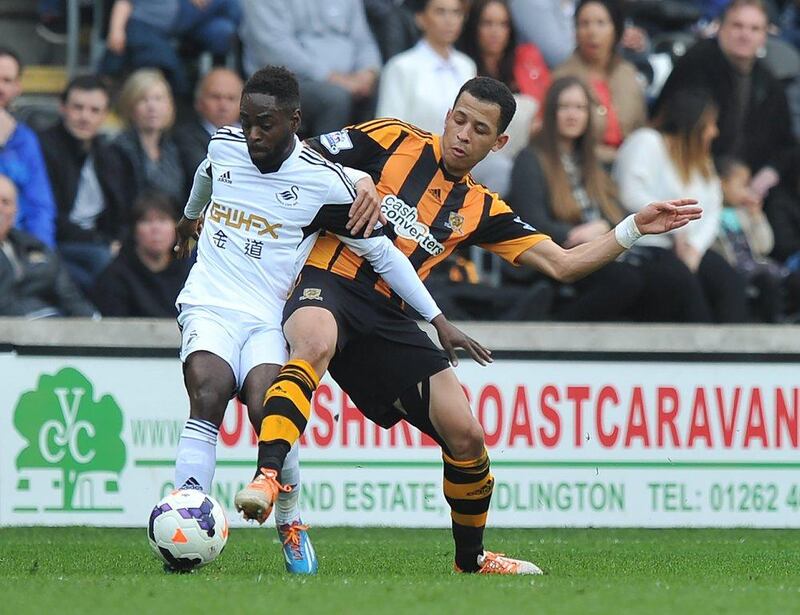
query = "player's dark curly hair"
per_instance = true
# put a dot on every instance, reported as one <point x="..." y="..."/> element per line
<point x="277" y="81"/>
<point x="492" y="91"/>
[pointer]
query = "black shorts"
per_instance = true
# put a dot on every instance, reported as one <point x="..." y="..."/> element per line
<point x="381" y="352"/>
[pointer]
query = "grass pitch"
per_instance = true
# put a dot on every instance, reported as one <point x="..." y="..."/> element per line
<point x="86" y="570"/>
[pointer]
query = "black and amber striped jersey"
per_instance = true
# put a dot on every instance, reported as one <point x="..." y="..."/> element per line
<point x="429" y="211"/>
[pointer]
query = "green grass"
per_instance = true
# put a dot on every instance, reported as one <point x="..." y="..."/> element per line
<point x="87" y="570"/>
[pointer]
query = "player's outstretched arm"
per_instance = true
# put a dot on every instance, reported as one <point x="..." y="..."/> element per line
<point x="395" y="268"/>
<point x="575" y="263"/>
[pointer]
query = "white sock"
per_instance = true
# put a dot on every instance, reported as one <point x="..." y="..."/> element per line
<point x="286" y="510"/>
<point x="196" y="459"/>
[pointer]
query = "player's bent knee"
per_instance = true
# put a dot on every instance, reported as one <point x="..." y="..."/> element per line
<point x="467" y="442"/>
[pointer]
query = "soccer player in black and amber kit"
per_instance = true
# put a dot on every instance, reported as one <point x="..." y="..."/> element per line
<point x="341" y="316"/>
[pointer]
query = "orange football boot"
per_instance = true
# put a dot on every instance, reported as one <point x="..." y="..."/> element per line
<point x="498" y="563"/>
<point x="256" y="499"/>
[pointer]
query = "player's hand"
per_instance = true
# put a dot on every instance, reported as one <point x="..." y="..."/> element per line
<point x="663" y="216"/>
<point x="366" y="209"/>
<point x="187" y="231"/>
<point x="450" y="337"/>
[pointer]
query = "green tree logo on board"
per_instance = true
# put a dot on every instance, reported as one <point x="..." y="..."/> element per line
<point x="68" y="431"/>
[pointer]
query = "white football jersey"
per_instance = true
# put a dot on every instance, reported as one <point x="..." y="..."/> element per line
<point x="259" y="227"/>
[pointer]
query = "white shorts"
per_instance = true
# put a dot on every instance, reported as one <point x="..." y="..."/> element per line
<point x="241" y="340"/>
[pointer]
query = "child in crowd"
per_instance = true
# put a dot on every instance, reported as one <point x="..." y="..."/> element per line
<point x="745" y="240"/>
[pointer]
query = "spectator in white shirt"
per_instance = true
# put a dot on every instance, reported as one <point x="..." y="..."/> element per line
<point x="418" y="86"/>
<point x="675" y="158"/>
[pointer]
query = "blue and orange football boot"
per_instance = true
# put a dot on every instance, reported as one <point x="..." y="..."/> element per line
<point x="298" y="551"/>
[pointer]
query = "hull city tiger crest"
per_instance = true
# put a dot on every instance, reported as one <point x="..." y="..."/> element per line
<point x="455" y="223"/>
<point x="311" y="294"/>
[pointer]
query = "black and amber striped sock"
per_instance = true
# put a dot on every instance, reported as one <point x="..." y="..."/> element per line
<point x="468" y="487"/>
<point x="287" y="408"/>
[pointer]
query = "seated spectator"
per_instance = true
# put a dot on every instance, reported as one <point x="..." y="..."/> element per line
<point x="91" y="214"/>
<point x="392" y="25"/>
<point x="419" y="86"/>
<point x="782" y="208"/>
<point x="489" y="39"/>
<point x="141" y="34"/>
<point x="21" y="158"/>
<point x="620" y="107"/>
<point x="145" y="157"/>
<point x="672" y="161"/>
<point x="33" y="282"/>
<point x="216" y="104"/>
<point x="746" y="239"/>
<point x="559" y="186"/>
<point x="463" y="295"/>
<point x="547" y="24"/>
<point x="754" y="120"/>
<point x="327" y="44"/>
<point x="145" y="278"/>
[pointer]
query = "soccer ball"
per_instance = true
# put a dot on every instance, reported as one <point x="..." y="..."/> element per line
<point x="187" y="529"/>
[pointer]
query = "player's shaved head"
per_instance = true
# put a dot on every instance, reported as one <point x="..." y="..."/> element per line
<point x="270" y="116"/>
<point x="278" y="82"/>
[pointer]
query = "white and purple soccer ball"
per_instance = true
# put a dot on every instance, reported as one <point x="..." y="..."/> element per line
<point x="187" y="529"/>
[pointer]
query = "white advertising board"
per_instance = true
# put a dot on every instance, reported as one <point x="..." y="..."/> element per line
<point x="90" y="441"/>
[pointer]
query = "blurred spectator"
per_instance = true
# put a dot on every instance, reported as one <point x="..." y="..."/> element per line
<point x="21" y="158"/>
<point x="548" y="24"/>
<point x="674" y="161"/>
<point x="145" y="278"/>
<point x="746" y="239"/>
<point x="462" y="295"/>
<point x="754" y="120"/>
<point x="91" y="213"/>
<point x="790" y="22"/>
<point x="216" y="104"/>
<point x="145" y="156"/>
<point x="559" y="186"/>
<point x="141" y="34"/>
<point x="620" y="108"/>
<point x="33" y="282"/>
<point x="327" y="44"/>
<point x="392" y="25"/>
<point x="783" y="211"/>
<point x="419" y="86"/>
<point x="489" y="39"/>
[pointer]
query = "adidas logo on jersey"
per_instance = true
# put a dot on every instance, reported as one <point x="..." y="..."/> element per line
<point x="225" y="178"/>
<point x="436" y="193"/>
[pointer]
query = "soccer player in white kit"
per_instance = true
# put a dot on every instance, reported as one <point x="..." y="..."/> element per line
<point x="266" y="197"/>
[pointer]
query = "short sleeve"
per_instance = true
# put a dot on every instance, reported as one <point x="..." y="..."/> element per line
<point x="503" y="232"/>
<point x="363" y="146"/>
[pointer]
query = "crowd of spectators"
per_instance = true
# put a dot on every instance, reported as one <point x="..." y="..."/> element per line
<point x="619" y="103"/>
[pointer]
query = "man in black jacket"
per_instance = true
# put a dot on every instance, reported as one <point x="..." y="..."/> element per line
<point x="754" y="121"/>
<point x="91" y="213"/>
<point x="33" y="282"/>
<point x="217" y="104"/>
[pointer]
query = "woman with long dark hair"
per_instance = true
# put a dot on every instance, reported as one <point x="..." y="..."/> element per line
<point x="674" y="157"/>
<point x="489" y="39"/>
<point x="620" y="108"/>
<point x="561" y="188"/>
